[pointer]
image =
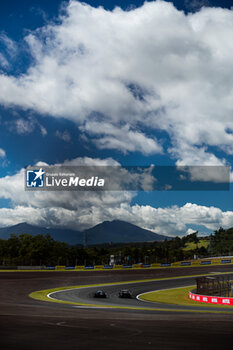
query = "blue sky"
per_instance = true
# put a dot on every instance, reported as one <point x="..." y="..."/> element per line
<point x="144" y="84"/>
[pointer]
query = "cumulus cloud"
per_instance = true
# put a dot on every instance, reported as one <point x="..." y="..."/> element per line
<point x="152" y="68"/>
<point x="175" y="220"/>
<point x="81" y="210"/>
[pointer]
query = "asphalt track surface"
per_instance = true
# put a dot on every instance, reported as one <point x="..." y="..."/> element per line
<point x="30" y="324"/>
<point x="85" y="295"/>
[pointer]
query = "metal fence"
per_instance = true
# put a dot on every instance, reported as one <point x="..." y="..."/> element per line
<point x="216" y="285"/>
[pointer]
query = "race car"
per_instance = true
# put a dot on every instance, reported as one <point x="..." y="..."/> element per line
<point x="100" y="294"/>
<point x="125" y="293"/>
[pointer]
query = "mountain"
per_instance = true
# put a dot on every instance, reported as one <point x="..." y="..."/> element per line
<point x="63" y="235"/>
<point x="108" y="231"/>
<point x="117" y="231"/>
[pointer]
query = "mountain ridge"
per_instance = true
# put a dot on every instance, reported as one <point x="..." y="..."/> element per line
<point x="116" y="231"/>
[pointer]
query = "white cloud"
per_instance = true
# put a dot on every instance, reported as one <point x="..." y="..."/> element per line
<point x="42" y="130"/>
<point x="3" y="61"/>
<point x="4" y="162"/>
<point x="195" y="4"/>
<point x="175" y="220"/>
<point x="151" y="68"/>
<point x="9" y="44"/>
<point x="66" y="208"/>
<point x="2" y="153"/>
<point x="23" y="126"/>
<point x="9" y="51"/>
<point x="190" y="231"/>
<point x="63" y="135"/>
<point x="124" y="139"/>
<point x="39" y="12"/>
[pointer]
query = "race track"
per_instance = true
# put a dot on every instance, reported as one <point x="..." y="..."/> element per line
<point x="85" y="296"/>
<point x="26" y="323"/>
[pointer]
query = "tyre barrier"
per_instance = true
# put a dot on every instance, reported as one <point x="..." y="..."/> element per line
<point x="211" y="299"/>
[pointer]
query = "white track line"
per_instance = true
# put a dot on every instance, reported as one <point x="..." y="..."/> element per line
<point x="111" y="284"/>
<point x="128" y="282"/>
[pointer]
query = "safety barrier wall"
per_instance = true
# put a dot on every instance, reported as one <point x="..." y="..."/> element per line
<point x="206" y="262"/>
<point x="30" y="267"/>
<point x="5" y="267"/>
<point x="211" y="299"/>
<point x="108" y="267"/>
<point x="89" y="267"/>
<point x="98" y="266"/>
<point x="185" y="263"/>
<point x="124" y="266"/>
<point x="136" y="266"/>
<point x="155" y="265"/>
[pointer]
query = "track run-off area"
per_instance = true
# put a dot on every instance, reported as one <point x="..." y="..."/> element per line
<point x="67" y="316"/>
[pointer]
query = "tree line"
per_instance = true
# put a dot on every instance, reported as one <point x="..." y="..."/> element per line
<point x="41" y="250"/>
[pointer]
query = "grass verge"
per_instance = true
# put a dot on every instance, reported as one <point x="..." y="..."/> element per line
<point x="177" y="296"/>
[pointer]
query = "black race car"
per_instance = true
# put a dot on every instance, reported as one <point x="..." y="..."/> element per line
<point x="125" y="293"/>
<point x="100" y="294"/>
